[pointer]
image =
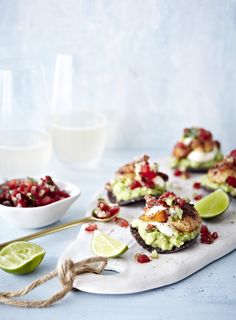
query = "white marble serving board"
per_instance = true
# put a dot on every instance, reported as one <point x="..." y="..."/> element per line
<point x="132" y="277"/>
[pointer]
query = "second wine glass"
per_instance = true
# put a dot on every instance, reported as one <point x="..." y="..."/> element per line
<point x="79" y="133"/>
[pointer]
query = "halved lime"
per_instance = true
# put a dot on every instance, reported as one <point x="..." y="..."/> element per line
<point x="213" y="205"/>
<point x="105" y="246"/>
<point x="21" y="257"/>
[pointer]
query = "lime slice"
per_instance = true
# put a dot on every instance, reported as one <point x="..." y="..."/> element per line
<point x="213" y="205"/>
<point x="105" y="246"/>
<point x="21" y="257"/>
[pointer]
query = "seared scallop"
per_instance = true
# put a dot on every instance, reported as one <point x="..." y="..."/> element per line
<point x="190" y="220"/>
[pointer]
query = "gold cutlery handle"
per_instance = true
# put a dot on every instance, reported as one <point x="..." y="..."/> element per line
<point x="48" y="231"/>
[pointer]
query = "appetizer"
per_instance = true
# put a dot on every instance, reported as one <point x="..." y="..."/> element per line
<point x="196" y="150"/>
<point x="30" y="192"/>
<point x="135" y="180"/>
<point x="222" y="175"/>
<point x="168" y="224"/>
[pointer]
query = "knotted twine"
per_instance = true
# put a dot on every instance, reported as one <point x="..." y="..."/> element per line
<point x="67" y="272"/>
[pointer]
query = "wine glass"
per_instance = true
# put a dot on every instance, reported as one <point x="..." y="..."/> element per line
<point x="25" y="143"/>
<point x="78" y="131"/>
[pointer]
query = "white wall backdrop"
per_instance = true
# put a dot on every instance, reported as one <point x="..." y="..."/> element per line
<point x="154" y="66"/>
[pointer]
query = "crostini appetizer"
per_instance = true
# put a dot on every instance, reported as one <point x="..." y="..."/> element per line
<point x="196" y="151"/>
<point x="135" y="180"/>
<point x="168" y="224"/>
<point x="222" y="175"/>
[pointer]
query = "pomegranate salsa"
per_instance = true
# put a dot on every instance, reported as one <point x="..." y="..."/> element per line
<point x="30" y="192"/>
<point x="105" y="210"/>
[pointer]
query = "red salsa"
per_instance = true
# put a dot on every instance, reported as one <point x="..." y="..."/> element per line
<point x="105" y="210"/>
<point x="30" y="192"/>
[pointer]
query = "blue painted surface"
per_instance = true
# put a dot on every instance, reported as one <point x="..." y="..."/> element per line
<point x="208" y="294"/>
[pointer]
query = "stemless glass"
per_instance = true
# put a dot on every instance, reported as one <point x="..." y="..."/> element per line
<point x="79" y="134"/>
<point x="24" y="141"/>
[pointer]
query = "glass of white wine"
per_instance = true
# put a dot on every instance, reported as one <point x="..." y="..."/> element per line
<point x="79" y="133"/>
<point x="25" y="143"/>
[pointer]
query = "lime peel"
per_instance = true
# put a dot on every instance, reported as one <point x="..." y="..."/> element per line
<point x="104" y="245"/>
<point x="213" y="204"/>
<point x="21" y="257"/>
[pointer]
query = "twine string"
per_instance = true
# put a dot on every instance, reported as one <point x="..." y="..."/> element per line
<point x="67" y="272"/>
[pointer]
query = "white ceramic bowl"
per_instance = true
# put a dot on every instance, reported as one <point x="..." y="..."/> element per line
<point x="41" y="216"/>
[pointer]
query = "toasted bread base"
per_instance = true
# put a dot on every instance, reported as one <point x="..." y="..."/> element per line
<point x="136" y="201"/>
<point x="197" y="170"/>
<point x="149" y="248"/>
<point x="193" y="170"/>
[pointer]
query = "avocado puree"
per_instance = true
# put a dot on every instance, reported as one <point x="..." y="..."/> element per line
<point x="159" y="240"/>
<point x="214" y="186"/>
<point x="122" y="191"/>
<point x="186" y="163"/>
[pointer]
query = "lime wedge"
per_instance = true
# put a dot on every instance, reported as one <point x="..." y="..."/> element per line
<point x="213" y="205"/>
<point x="105" y="246"/>
<point x="21" y="257"/>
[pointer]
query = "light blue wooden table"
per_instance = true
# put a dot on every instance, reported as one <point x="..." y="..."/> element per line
<point x="208" y="294"/>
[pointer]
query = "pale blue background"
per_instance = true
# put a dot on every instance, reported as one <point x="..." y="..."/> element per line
<point x="154" y="66"/>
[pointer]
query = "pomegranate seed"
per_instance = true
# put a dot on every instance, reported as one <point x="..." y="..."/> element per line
<point x="197" y="185"/>
<point x="103" y="206"/>
<point x="49" y="180"/>
<point x="135" y="184"/>
<point x="21" y="203"/>
<point x="151" y="175"/>
<point x="204" y="229"/>
<point x="180" y="202"/>
<point x="231" y="181"/>
<point x="91" y="227"/>
<point x="149" y="184"/>
<point x="62" y="193"/>
<point x="142" y="258"/>
<point x="121" y="222"/>
<point x="233" y="153"/>
<point x="197" y="197"/>
<point x="206" y="236"/>
<point x="177" y="173"/>
<point x="46" y="200"/>
<point x="214" y="235"/>
<point x="167" y="195"/>
<point x="114" y="210"/>
<point x="147" y="175"/>
<point x="14" y="183"/>
<point x="204" y="135"/>
<point x="180" y="145"/>
<point x="151" y="202"/>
